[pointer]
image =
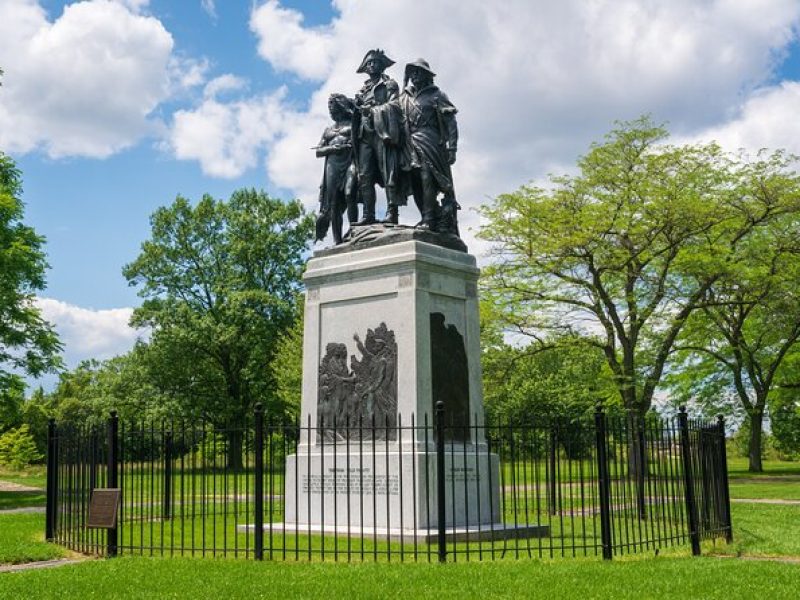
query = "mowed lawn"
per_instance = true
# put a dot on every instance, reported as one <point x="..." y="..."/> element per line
<point x="763" y="561"/>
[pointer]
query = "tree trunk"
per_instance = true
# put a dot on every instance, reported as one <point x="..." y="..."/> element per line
<point x="637" y="461"/>
<point x="235" y="449"/>
<point x="756" y="420"/>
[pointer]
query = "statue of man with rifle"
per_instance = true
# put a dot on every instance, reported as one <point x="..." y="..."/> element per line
<point x="431" y="142"/>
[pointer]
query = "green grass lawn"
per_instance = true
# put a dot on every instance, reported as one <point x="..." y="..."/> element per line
<point x="186" y="578"/>
<point x="22" y="540"/>
<point x="16" y="499"/>
<point x="764" y="529"/>
<point x="760" y="530"/>
<point x="35" y="476"/>
<point x="737" y="468"/>
<point x="774" y="489"/>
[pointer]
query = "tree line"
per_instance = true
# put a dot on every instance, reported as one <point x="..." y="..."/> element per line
<point x="652" y="275"/>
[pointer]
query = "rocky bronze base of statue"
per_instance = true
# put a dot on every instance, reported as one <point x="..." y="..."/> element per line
<point x="383" y="234"/>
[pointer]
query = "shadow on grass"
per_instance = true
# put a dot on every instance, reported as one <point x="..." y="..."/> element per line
<point x="21" y="499"/>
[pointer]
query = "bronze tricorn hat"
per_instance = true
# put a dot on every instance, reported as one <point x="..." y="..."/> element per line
<point x="420" y="63"/>
<point x="378" y="55"/>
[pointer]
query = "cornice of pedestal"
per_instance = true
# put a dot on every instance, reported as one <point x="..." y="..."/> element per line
<point x="404" y="255"/>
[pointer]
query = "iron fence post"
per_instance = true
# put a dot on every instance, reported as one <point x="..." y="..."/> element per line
<point x="441" y="514"/>
<point x="93" y="466"/>
<point x="167" y="503"/>
<point x="258" y="522"/>
<point x="688" y="481"/>
<point x="640" y="461"/>
<point x="111" y="477"/>
<point x="552" y="493"/>
<point x="52" y="466"/>
<point x="726" y="497"/>
<point x="604" y="482"/>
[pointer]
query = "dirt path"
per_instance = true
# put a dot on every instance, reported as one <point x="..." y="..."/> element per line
<point x="766" y="501"/>
<point x="795" y="560"/>
<point x="762" y="479"/>
<point x="42" y="564"/>
<point x="24" y="509"/>
<point x="9" y="486"/>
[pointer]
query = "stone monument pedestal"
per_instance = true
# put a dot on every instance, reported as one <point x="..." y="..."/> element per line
<point x="390" y="330"/>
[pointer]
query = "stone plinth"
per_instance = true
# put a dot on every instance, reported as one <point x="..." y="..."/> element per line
<point x="426" y="298"/>
<point x="391" y="329"/>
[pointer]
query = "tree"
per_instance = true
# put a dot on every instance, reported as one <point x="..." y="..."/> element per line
<point x="287" y="367"/>
<point x="219" y="282"/>
<point x="749" y="319"/>
<point x="28" y="343"/>
<point x="622" y="252"/>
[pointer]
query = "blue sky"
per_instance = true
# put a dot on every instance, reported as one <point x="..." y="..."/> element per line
<point x="94" y="213"/>
<point x="113" y="107"/>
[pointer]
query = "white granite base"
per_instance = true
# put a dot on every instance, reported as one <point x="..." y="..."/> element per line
<point x="391" y="489"/>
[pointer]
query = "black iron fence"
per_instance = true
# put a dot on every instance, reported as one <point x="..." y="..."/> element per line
<point x="415" y="490"/>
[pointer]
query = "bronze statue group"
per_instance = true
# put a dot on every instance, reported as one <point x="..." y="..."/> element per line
<point x="403" y="141"/>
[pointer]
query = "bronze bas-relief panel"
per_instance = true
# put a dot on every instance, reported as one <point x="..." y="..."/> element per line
<point x="359" y="401"/>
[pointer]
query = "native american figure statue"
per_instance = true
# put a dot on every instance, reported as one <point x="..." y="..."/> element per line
<point x="337" y="192"/>
<point x="336" y="385"/>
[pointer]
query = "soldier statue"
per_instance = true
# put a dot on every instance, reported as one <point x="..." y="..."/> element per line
<point x="369" y="146"/>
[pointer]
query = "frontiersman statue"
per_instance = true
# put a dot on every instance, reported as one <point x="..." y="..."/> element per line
<point x="430" y="147"/>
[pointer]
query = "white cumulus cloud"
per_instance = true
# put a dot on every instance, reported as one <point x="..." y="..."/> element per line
<point x="227" y="137"/>
<point x="86" y="82"/>
<point x="766" y="119"/>
<point x="289" y="46"/>
<point x="535" y="81"/>
<point x="87" y="333"/>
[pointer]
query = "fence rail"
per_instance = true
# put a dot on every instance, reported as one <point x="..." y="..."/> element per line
<point x="415" y="490"/>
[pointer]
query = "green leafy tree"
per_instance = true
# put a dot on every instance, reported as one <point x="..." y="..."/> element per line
<point x="623" y="251"/>
<point x="749" y="319"/>
<point x="28" y="343"/>
<point x="12" y="398"/>
<point x="534" y="384"/>
<point x="219" y="281"/>
<point x="784" y="411"/>
<point x="36" y="410"/>
<point x="287" y="367"/>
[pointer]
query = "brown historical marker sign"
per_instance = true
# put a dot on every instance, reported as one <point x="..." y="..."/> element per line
<point x="103" y="508"/>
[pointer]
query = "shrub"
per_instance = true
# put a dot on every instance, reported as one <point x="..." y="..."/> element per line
<point x="18" y="448"/>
